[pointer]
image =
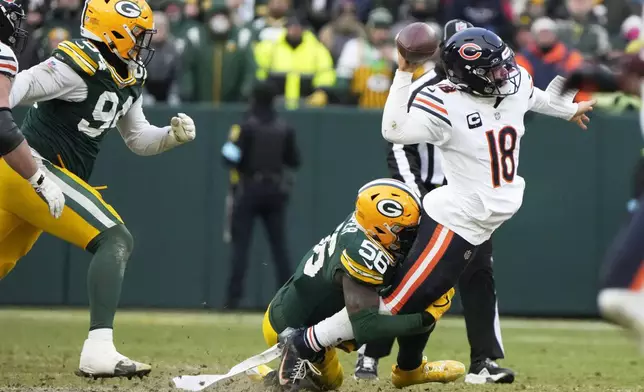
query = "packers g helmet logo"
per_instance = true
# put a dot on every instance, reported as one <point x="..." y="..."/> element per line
<point x="128" y="9"/>
<point x="390" y="208"/>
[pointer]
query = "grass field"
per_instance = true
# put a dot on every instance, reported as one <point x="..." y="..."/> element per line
<point x="39" y="351"/>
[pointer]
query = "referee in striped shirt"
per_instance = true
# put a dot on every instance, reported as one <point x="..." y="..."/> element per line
<point x="419" y="166"/>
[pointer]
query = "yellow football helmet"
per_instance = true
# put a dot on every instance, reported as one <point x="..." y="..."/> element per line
<point x="125" y="26"/>
<point x="389" y="211"/>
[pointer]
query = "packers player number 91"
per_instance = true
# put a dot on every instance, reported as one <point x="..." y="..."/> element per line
<point x="348" y="268"/>
<point x="88" y="86"/>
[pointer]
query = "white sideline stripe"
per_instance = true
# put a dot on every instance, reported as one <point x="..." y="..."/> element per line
<point x="421" y="269"/>
<point x="79" y="198"/>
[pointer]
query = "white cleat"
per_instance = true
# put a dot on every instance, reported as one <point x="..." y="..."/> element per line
<point x="624" y="307"/>
<point x="99" y="359"/>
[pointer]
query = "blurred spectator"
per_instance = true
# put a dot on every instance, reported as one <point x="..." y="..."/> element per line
<point x="523" y="37"/>
<point x="219" y="69"/>
<point x="629" y="32"/>
<point x="344" y="26"/>
<point x="180" y="24"/>
<point x="36" y="11"/>
<point x="62" y="22"/>
<point x="534" y="9"/>
<point x="548" y="56"/>
<point x="317" y="12"/>
<point x="494" y="15"/>
<point x="417" y="11"/>
<point x="298" y="63"/>
<point x="272" y="25"/>
<point x="618" y="102"/>
<point x="582" y="31"/>
<point x="365" y="67"/>
<point x="164" y="69"/>
<point x="617" y="11"/>
<point x="192" y="8"/>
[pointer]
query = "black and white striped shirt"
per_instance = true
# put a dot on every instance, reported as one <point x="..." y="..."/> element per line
<point x="417" y="165"/>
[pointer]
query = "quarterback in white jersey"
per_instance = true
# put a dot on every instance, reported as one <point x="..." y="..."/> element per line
<point x="476" y="119"/>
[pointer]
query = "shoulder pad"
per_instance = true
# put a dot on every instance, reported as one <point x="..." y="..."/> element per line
<point x="366" y="262"/>
<point x="78" y="54"/>
<point x="8" y="62"/>
<point x="431" y="101"/>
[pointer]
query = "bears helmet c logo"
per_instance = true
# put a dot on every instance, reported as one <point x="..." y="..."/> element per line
<point x="470" y="51"/>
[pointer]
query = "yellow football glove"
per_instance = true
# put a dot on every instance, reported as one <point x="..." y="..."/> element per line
<point x="441" y="305"/>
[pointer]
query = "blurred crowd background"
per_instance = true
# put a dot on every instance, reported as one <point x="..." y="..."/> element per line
<point x="341" y="52"/>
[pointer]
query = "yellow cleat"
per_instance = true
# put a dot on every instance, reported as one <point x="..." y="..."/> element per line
<point x="438" y="371"/>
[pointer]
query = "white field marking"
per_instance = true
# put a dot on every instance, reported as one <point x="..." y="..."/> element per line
<point x="157" y="317"/>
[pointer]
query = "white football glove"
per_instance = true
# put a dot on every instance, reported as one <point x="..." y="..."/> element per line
<point x="183" y="128"/>
<point x="50" y="192"/>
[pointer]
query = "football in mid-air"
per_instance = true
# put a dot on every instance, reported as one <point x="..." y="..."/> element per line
<point x="417" y="42"/>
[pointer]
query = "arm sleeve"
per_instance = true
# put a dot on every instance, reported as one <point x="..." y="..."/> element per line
<point x="542" y="102"/>
<point x="51" y="79"/>
<point x="140" y="136"/>
<point x="421" y="124"/>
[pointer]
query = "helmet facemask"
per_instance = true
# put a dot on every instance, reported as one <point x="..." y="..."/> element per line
<point x="141" y="53"/>
<point x="405" y="237"/>
<point x="501" y="79"/>
<point x="18" y="38"/>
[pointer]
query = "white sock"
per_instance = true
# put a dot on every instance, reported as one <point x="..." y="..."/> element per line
<point x="102" y="334"/>
<point x="333" y="330"/>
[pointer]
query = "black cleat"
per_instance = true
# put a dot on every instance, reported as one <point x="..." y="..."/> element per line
<point x="366" y="368"/>
<point x="295" y="373"/>
<point x="488" y="372"/>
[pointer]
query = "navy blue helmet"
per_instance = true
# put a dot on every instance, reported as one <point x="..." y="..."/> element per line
<point x="477" y="61"/>
<point x="11" y="17"/>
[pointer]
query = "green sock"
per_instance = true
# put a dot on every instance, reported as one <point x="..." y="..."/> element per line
<point x="112" y="249"/>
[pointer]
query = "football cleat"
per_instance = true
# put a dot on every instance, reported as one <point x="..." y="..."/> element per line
<point x="438" y="371"/>
<point x="294" y="372"/>
<point x="626" y="308"/>
<point x="99" y="359"/>
<point x="366" y="368"/>
<point x="488" y="372"/>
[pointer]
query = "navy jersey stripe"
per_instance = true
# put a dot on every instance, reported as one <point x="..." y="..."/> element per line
<point x="432" y="113"/>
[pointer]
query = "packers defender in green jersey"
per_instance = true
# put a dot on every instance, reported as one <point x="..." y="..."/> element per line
<point x="85" y="89"/>
<point x="346" y="268"/>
